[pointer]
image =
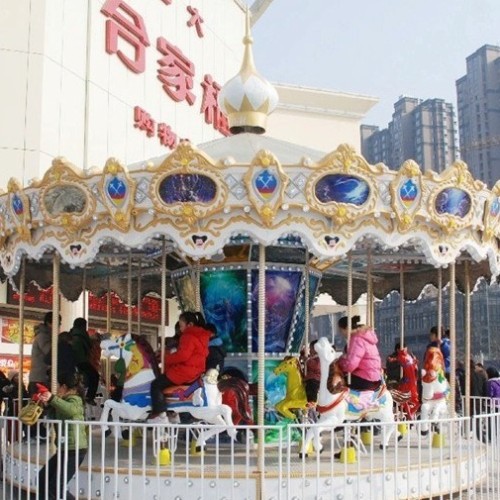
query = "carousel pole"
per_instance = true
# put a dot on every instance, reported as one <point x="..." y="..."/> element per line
<point x="129" y="294"/>
<point x="307" y="297"/>
<point x="402" y="307"/>
<point x="163" y="300"/>
<point x="55" y="319"/>
<point x="453" y="338"/>
<point x="262" y="367"/>
<point x="467" y="339"/>
<point x="108" y="301"/>
<point x="349" y="305"/>
<point x="369" y="292"/>
<point x="22" y="286"/>
<point x="197" y="276"/>
<point x="440" y="302"/>
<point x="139" y="298"/>
<point x="84" y="293"/>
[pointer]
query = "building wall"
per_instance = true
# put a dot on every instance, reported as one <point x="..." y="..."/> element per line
<point x="66" y="95"/>
<point x="478" y="98"/>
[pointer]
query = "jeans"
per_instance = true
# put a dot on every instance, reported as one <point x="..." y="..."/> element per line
<point x="47" y="477"/>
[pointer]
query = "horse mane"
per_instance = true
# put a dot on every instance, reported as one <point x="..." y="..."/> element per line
<point x="241" y="389"/>
<point x="336" y="381"/>
<point x="147" y="351"/>
<point x="299" y="365"/>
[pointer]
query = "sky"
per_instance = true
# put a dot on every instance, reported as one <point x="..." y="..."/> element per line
<point x="380" y="48"/>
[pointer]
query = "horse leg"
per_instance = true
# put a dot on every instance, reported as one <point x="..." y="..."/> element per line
<point x="104" y="416"/>
<point x="312" y="433"/>
<point x="387" y="416"/>
<point x="424" y="415"/>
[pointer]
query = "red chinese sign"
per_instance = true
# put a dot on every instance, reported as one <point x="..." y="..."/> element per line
<point x="97" y="306"/>
<point x="125" y="28"/>
<point x="131" y="29"/>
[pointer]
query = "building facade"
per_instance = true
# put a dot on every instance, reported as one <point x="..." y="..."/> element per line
<point x="424" y="131"/>
<point x="478" y="100"/>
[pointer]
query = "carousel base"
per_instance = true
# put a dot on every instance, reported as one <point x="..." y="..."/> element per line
<point x="227" y="471"/>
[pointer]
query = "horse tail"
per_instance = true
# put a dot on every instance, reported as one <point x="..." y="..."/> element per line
<point x="241" y="390"/>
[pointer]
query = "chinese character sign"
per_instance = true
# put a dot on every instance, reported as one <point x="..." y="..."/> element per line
<point x="131" y="29"/>
<point x="176" y="72"/>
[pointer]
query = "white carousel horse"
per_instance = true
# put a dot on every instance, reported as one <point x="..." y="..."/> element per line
<point x="346" y="405"/>
<point x="137" y="368"/>
<point x="435" y="388"/>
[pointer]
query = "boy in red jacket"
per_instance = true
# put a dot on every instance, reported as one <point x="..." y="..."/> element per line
<point x="183" y="366"/>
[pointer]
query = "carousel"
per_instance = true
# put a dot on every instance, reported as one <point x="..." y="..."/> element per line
<point x="249" y="230"/>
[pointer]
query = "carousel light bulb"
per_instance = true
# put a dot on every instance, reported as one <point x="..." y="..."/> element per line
<point x="227" y="210"/>
<point x="285" y="206"/>
<point x="305" y="208"/>
<point x="246" y="209"/>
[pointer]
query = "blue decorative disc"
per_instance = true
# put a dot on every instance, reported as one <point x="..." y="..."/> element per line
<point x="408" y="192"/>
<point x="266" y="184"/>
<point x="342" y="189"/>
<point x="495" y="207"/>
<point x="17" y="205"/>
<point x="117" y="190"/>
<point x="453" y="201"/>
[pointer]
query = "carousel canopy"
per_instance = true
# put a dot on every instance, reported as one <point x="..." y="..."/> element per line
<point x="213" y="205"/>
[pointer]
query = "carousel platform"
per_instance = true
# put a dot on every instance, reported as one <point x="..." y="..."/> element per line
<point x="226" y="470"/>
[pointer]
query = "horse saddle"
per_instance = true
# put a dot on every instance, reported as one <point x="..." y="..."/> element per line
<point x="185" y="395"/>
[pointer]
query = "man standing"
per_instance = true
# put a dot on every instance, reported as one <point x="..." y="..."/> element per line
<point x="81" y="347"/>
<point x="40" y="363"/>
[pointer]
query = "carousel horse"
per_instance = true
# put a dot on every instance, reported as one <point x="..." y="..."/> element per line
<point x="405" y="394"/>
<point x="337" y="403"/>
<point x="435" y="388"/>
<point x="137" y="368"/>
<point x="295" y="398"/>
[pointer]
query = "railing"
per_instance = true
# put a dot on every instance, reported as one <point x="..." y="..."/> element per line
<point x="460" y="456"/>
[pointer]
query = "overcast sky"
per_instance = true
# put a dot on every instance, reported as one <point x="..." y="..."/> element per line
<point x="381" y="48"/>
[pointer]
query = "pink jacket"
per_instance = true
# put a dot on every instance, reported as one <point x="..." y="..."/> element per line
<point x="362" y="358"/>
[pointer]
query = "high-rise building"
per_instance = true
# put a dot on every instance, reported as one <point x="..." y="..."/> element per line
<point x="478" y="99"/>
<point x="424" y="131"/>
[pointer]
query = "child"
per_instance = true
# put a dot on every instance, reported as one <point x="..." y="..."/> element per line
<point x="68" y="405"/>
<point x="216" y="351"/>
<point x="312" y="375"/>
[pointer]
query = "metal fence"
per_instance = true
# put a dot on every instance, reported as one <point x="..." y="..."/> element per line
<point x="458" y="457"/>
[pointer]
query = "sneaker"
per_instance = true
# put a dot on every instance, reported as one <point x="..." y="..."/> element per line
<point x="161" y="418"/>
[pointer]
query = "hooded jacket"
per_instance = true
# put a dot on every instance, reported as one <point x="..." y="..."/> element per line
<point x="493" y="385"/>
<point x="41" y="347"/>
<point x="188" y="362"/>
<point x="362" y="357"/>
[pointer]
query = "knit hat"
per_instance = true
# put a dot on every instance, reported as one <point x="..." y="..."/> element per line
<point x="12" y="373"/>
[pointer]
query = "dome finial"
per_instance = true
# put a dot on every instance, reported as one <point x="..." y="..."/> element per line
<point x="247" y="99"/>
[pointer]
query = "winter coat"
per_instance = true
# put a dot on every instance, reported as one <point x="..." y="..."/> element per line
<point x="313" y="368"/>
<point x="41" y="347"/>
<point x="81" y="345"/>
<point x="446" y="351"/>
<point x="71" y="408"/>
<point x="188" y="362"/>
<point x="362" y="357"/>
<point x="493" y="385"/>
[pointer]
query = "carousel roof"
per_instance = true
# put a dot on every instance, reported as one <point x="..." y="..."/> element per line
<point x="215" y="204"/>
